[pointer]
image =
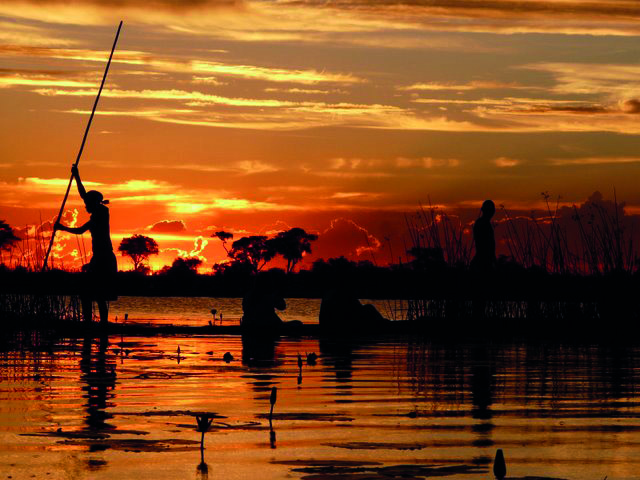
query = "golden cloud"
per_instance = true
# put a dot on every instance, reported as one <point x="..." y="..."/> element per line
<point x="306" y="77"/>
<point x="40" y="81"/>
<point x="174" y="5"/>
<point x="168" y="226"/>
<point x="597" y="17"/>
<point x="320" y="21"/>
<point x="591" y="78"/>
<point x="124" y="56"/>
<point x="593" y="161"/>
<point x="475" y="85"/>
<point x="426" y="162"/>
<point x="193" y="98"/>
<point x="506" y="162"/>
<point x="18" y="34"/>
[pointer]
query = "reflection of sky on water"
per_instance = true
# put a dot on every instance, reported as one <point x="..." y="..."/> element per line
<point x="99" y="410"/>
<point x="197" y="310"/>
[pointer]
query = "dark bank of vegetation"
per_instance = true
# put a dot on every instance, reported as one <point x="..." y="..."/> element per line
<point x="403" y="281"/>
<point x="434" y="291"/>
<point x="578" y="262"/>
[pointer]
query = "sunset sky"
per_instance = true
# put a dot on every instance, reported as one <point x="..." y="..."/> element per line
<point x="334" y="116"/>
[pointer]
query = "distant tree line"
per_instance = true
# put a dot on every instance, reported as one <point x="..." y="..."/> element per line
<point x="247" y="254"/>
<point x="254" y="252"/>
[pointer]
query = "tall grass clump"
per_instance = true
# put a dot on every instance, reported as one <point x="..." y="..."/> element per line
<point x="28" y="251"/>
<point x="559" y="262"/>
<point x="25" y="254"/>
<point x="19" y="309"/>
<point x="440" y="245"/>
<point x="591" y="240"/>
<point x="437" y="236"/>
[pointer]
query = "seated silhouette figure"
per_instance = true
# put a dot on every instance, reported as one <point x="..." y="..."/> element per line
<point x="101" y="269"/>
<point x="342" y="311"/>
<point x="259" y="307"/>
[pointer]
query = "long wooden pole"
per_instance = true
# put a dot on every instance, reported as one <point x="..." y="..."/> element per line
<point x="84" y="140"/>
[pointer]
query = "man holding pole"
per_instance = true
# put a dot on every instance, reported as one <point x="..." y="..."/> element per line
<point x="103" y="266"/>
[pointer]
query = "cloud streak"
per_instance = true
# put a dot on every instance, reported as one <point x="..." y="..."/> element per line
<point x="594" y="161"/>
<point x="604" y="17"/>
<point x="172" y="5"/>
<point x="135" y="192"/>
<point x="590" y="78"/>
<point x="28" y="35"/>
<point x="305" y="77"/>
<point x="460" y="87"/>
<point x="345" y="21"/>
<point x="168" y="226"/>
<point x="40" y="81"/>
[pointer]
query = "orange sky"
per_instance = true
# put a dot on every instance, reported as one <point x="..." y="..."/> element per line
<point x="338" y="117"/>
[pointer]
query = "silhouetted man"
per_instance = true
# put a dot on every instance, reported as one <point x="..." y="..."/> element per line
<point x="103" y="264"/>
<point x="485" y="257"/>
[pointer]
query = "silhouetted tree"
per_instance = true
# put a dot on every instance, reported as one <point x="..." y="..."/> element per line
<point x="232" y="269"/>
<point x="223" y="237"/>
<point x="7" y="237"/>
<point x="138" y="248"/>
<point x="254" y="251"/>
<point x="182" y="266"/>
<point x="293" y="244"/>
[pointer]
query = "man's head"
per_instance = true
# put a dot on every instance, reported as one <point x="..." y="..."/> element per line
<point x="488" y="208"/>
<point x="92" y="200"/>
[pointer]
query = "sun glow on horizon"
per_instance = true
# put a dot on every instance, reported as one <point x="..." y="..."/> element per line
<point x="299" y="114"/>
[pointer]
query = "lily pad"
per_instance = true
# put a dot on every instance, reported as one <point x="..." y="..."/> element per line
<point x="137" y="445"/>
<point x="377" y="446"/>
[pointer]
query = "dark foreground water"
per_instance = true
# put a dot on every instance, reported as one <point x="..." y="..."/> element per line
<point x="117" y="408"/>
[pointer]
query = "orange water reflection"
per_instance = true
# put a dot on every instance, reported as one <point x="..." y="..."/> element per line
<point x="108" y="407"/>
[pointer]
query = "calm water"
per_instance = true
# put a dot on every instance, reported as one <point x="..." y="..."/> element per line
<point x="399" y="408"/>
<point x="197" y="310"/>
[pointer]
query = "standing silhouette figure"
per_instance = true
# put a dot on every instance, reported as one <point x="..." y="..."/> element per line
<point x="103" y="265"/>
<point x="484" y="260"/>
<point x="485" y="242"/>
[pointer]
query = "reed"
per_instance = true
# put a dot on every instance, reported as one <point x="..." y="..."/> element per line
<point x="35" y="308"/>
<point x="595" y="242"/>
<point x="38" y="308"/>
<point x="445" y="237"/>
<point x="552" y="255"/>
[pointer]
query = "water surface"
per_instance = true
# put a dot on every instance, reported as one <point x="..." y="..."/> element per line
<point x="196" y="311"/>
<point x="398" y="407"/>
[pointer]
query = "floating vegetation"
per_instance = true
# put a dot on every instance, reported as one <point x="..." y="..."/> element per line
<point x="226" y="426"/>
<point x="325" y="463"/>
<point x="137" y="445"/>
<point x="377" y="446"/>
<point x="272" y="401"/>
<point x="331" y="470"/>
<point x="319" y="417"/>
<point x="171" y="413"/>
<point x="204" y="424"/>
<point x="84" y="434"/>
